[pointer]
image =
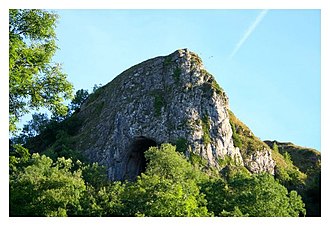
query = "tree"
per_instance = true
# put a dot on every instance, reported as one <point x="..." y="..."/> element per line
<point x="168" y="188"/>
<point x="45" y="188"/>
<point x="80" y="96"/>
<point x="34" y="127"/>
<point x="256" y="196"/>
<point x="262" y="196"/>
<point x="105" y="201"/>
<point x="34" y="80"/>
<point x="166" y="162"/>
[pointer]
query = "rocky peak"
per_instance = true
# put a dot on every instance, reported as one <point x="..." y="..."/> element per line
<point x="165" y="99"/>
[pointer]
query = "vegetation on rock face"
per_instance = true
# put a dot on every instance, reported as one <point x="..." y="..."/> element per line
<point x="206" y="129"/>
<point x="307" y="160"/>
<point x="211" y="85"/>
<point x="244" y="138"/>
<point x="159" y="103"/>
<point x="236" y="139"/>
<point x="176" y="74"/>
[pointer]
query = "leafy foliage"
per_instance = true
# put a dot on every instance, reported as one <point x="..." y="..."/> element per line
<point x="45" y="188"/>
<point x="53" y="136"/>
<point x="181" y="145"/>
<point x="257" y="195"/>
<point x="308" y="161"/>
<point x="57" y="181"/>
<point x="34" y="127"/>
<point x="34" y="80"/>
<point x="170" y="186"/>
<point x="80" y="96"/>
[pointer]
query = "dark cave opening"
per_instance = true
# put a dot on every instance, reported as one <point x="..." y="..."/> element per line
<point x="136" y="162"/>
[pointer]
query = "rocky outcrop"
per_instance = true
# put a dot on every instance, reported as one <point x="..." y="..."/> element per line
<point x="260" y="161"/>
<point x="165" y="99"/>
<point x="257" y="155"/>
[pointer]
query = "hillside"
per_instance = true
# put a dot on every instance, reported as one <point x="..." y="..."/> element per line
<point x="115" y="145"/>
<point x="167" y="99"/>
<point x="308" y="161"/>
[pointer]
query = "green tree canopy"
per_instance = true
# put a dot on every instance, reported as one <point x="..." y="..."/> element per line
<point x="168" y="187"/>
<point x="34" y="80"/>
<point x="171" y="186"/>
<point x="42" y="187"/>
<point x="256" y="196"/>
<point x="80" y="96"/>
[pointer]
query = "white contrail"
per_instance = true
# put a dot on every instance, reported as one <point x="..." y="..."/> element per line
<point x="248" y="32"/>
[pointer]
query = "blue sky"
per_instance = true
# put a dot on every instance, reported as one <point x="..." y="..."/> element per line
<point x="268" y="62"/>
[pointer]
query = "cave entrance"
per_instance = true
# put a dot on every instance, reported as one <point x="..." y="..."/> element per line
<point x="136" y="162"/>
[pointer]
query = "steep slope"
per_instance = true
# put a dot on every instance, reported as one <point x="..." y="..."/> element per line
<point x="257" y="156"/>
<point x="173" y="99"/>
<point x="165" y="99"/>
<point x="297" y="168"/>
<point x="308" y="161"/>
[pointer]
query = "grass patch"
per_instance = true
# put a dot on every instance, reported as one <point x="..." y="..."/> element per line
<point x="244" y="138"/>
<point x="206" y="129"/>
<point x="237" y="140"/>
<point x="285" y="172"/>
<point x="216" y="87"/>
<point x="306" y="159"/>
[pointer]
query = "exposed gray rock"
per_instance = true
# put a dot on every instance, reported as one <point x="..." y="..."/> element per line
<point x="164" y="99"/>
<point x="260" y="161"/>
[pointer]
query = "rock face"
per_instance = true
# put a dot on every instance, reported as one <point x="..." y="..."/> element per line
<point x="260" y="161"/>
<point x="165" y="99"/>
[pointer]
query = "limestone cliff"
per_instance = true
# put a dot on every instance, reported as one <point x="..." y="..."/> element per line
<point x="165" y="99"/>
